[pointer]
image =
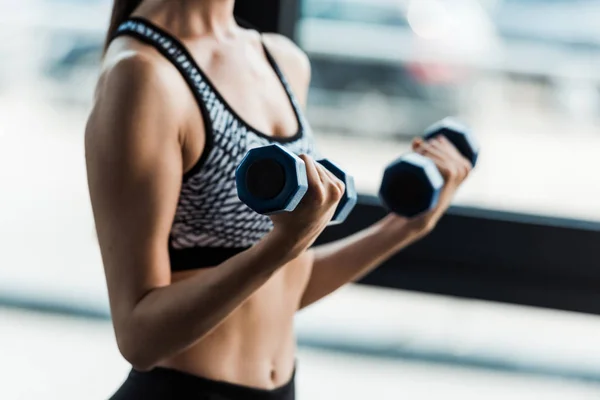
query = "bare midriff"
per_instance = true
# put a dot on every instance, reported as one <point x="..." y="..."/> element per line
<point x="255" y="345"/>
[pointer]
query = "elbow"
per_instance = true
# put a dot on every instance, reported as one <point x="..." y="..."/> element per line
<point x="134" y="351"/>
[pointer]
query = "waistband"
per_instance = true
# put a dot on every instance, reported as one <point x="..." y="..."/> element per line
<point x="191" y="385"/>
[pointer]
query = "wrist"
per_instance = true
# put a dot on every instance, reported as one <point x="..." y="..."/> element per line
<point x="279" y="247"/>
<point x="407" y="228"/>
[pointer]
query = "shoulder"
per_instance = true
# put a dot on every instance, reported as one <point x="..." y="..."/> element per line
<point x="138" y="93"/>
<point x="287" y="50"/>
<point x="133" y="69"/>
<point x="292" y="60"/>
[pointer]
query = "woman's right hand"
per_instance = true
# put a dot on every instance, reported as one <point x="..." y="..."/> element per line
<point x="301" y="227"/>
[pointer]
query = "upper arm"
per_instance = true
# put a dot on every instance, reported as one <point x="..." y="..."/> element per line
<point x="134" y="169"/>
<point x="293" y="62"/>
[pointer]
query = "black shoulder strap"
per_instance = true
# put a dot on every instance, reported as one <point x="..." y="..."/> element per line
<point x="173" y="50"/>
<point x="204" y="90"/>
<point x="282" y="78"/>
<point x="245" y="24"/>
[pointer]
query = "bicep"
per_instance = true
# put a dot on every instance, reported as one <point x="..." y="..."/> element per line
<point x="134" y="169"/>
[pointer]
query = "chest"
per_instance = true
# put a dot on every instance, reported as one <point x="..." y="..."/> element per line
<point x="249" y="84"/>
<point x="247" y="105"/>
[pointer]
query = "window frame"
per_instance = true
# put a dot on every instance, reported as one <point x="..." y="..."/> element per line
<point x="492" y="255"/>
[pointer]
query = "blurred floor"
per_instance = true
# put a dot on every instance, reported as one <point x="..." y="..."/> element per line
<point x="64" y="358"/>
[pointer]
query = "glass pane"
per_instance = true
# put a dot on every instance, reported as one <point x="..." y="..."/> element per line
<point x="50" y="55"/>
<point x="523" y="74"/>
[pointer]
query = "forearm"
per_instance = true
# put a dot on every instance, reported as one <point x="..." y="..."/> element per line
<point x="169" y="319"/>
<point x="348" y="259"/>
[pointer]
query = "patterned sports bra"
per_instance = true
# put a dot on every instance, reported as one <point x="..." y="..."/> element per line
<point x="211" y="224"/>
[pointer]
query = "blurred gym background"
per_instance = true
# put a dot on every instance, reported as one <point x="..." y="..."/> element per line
<point x="501" y="301"/>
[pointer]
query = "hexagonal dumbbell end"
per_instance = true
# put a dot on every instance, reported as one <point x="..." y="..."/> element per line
<point x="348" y="200"/>
<point x="271" y="179"/>
<point x="458" y="134"/>
<point x="411" y="185"/>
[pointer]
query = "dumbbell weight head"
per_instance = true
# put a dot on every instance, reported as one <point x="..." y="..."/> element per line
<point x="458" y="134"/>
<point x="271" y="179"/>
<point x="349" y="198"/>
<point x="411" y="185"/>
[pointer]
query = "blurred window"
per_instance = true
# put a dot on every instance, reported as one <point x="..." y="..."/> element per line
<point x="374" y="12"/>
<point x="522" y="73"/>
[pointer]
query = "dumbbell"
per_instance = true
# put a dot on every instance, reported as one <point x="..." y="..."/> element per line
<point x="272" y="179"/>
<point x="412" y="183"/>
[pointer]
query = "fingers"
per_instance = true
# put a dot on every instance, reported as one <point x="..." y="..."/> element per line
<point x="334" y="179"/>
<point x="416" y="143"/>
<point x="313" y="176"/>
<point x="449" y="161"/>
<point x="325" y="186"/>
<point x="427" y="149"/>
<point x="322" y="174"/>
<point x="439" y="145"/>
<point x="446" y="145"/>
<point x="335" y="187"/>
<point x="462" y="165"/>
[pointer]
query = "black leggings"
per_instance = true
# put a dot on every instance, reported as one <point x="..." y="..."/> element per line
<point x="169" y="384"/>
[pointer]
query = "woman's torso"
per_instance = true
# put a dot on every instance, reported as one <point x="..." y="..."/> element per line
<point x="255" y="344"/>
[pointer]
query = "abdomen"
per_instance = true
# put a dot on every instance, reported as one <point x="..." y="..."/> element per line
<point x="255" y="345"/>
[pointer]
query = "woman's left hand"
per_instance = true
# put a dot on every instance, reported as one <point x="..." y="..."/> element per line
<point x="453" y="167"/>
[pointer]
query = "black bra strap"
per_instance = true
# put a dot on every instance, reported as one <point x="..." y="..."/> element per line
<point x="284" y="82"/>
<point x="204" y="90"/>
<point x="170" y="47"/>
<point x="177" y="54"/>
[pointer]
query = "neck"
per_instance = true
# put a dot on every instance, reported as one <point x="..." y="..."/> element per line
<point x="193" y="17"/>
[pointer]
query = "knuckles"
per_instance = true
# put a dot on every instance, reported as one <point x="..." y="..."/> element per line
<point x="340" y="186"/>
<point x="318" y="195"/>
<point x="456" y="172"/>
<point x="450" y="172"/>
<point x="324" y="195"/>
<point x="336" y="192"/>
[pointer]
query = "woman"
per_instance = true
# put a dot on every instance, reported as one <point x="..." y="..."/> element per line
<point x="202" y="290"/>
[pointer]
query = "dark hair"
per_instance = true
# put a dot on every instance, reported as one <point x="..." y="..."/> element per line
<point x="122" y="9"/>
